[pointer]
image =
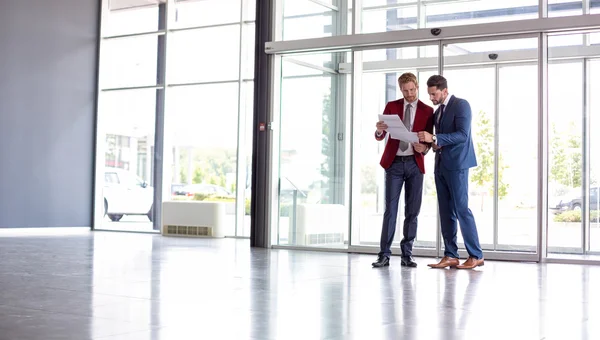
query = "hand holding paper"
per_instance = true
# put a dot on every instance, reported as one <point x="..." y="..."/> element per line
<point x="397" y="130"/>
<point x="381" y="126"/>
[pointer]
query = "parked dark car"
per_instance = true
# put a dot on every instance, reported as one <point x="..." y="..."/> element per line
<point x="575" y="202"/>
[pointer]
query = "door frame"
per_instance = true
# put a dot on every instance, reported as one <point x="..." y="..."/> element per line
<point x="539" y="28"/>
<point x="357" y="71"/>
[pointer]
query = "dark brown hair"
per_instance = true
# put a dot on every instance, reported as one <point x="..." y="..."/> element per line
<point x="438" y="81"/>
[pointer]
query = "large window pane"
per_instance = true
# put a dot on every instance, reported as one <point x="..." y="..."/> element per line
<point x="395" y="19"/>
<point x="131" y="16"/>
<point x="247" y="106"/>
<point x="126" y="119"/>
<point x="203" y="55"/>
<point x="201" y="125"/>
<point x="381" y="15"/>
<point x="562" y="8"/>
<point x="250" y="10"/>
<point x="307" y="19"/>
<point x="378" y="88"/>
<point x="248" y="51"/>
<point x="457" y="13"/>
<point x="128" y="62"/>
<point x="313" y="208"/>
<point x="205" y="13"/>
<point x="518" y="116"/>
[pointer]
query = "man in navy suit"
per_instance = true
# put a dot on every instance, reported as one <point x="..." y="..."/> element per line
<point x="455" y="155"/>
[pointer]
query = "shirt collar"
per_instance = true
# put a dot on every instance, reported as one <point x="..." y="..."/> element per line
<point x="413" y="104"/>
<point x="447" y="100"/>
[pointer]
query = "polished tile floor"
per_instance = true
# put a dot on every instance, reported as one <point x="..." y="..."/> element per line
<point x="115" y="286"/>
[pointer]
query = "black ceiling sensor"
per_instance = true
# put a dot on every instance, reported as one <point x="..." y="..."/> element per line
<point x="493" y="56"/>
<point x="436" y="31"/>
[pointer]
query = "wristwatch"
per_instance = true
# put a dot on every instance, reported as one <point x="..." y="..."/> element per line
<point x="434" y="138"/>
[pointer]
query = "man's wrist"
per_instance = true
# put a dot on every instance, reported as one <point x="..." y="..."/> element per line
<point x="379" y="134"/>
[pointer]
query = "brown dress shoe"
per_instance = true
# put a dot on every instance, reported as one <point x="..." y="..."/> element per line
<point x="445" y="262"/>
<point x="471" y="263"/>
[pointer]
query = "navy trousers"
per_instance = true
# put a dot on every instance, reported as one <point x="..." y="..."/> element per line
<point x="404" y="170"/>
<point x="453" y="200"/>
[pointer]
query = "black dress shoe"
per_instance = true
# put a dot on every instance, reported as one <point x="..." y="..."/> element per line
<point x="382" y="261"/>
<point x="408" y="261"/>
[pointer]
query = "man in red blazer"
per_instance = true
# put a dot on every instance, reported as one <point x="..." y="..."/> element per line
<point x="404" y="164"/>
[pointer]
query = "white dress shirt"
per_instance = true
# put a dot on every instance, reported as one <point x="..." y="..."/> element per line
<point x="413" y="113"/>
<point x="445" y="103"/>
<point x="447" y="99"/>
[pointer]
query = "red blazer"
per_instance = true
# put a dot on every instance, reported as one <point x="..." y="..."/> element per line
<point x="423" y="122"/>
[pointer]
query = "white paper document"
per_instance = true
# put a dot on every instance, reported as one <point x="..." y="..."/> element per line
<point x="398" y="130"/>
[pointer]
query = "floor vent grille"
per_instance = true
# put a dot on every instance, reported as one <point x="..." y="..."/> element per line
<point x="184" y="230"/>
<point x="329" y="238"/>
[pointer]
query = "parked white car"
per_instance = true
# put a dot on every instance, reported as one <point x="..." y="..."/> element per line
<point x="126" y="194"/>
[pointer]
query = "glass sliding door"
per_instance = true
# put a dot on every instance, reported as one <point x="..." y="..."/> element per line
<point x="379" y="85"/>
<point x="499" y="80"/>
<point x="477" y="84"/>
<point x="518" y="116"/>
<point x="565" y="157"/>
<point x="313" y="189"/>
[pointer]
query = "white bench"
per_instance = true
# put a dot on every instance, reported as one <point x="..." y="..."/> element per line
<point x="193" y="218"/>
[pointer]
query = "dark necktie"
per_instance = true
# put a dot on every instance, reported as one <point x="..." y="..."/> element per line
<point x="439" y="117"/>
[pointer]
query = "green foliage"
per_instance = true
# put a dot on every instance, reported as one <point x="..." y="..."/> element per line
<point x="201" y="197"/>
<point x="575" y="216"/>
<point x="568" y="216"/>
<point x="182" y="175"/>
<point x="483" y="175"/>
<point x="285" y="209"/>
<point x="209" y="165"/>
<point x="368" y="179"/>
<point x="198" y="175"/>
<point x="565" y="156"/>
<point x="429" y="186"/>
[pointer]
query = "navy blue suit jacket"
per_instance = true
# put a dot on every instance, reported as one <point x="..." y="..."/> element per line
<point x="453" y="133"/>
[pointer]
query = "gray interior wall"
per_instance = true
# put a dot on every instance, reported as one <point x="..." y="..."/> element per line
<point x="48" y="57"/>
